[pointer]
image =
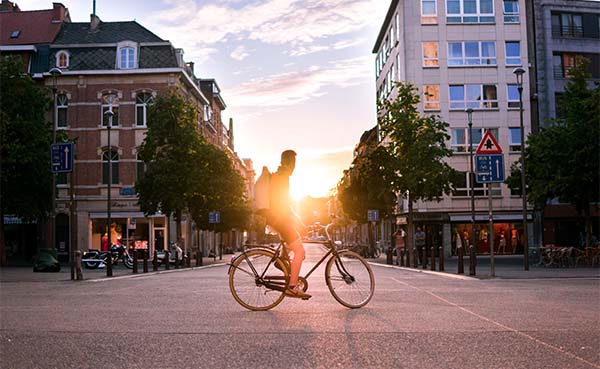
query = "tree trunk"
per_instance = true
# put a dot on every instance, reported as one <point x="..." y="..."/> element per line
<point x="588" y="226"/>
<point x="178" y="227"/>
<point x="411" y="239"/>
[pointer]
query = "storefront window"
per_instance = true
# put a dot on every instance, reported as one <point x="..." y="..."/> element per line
<point x="507" y="238"/>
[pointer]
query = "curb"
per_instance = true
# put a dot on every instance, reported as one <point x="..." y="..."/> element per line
<point x="439" y="274"/>
<point x="151" y="274"/>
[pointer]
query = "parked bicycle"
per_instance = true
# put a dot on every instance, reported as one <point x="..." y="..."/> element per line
<point x="258" y="277"/>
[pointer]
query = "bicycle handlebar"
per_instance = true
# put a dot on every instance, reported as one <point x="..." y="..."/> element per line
<point x="324" y="227"/>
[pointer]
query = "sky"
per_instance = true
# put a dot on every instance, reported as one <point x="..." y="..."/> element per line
<point x="295" y="74"/>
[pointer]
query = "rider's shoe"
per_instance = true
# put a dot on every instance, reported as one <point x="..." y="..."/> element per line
<point x="297" y="293"/>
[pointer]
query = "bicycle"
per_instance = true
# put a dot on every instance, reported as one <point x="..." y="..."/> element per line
<point x="259" y="277"/>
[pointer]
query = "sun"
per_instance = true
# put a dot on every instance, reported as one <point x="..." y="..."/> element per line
<point x="311" y="181"/>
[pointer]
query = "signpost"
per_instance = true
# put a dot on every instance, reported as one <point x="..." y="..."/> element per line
<point x="490" y="169"/>
<point x="214" y="217"/>
<point x="373" y="215"/>
<point x="62" y="157"/>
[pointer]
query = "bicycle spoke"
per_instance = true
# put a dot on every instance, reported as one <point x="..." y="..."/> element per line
<point x="350" y="279"/>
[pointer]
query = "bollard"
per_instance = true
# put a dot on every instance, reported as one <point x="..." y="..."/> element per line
<point x="176" y="259"/>
<point x="221" y="252"/>
<point x="166" y="260"/>
<point x="155" y="261"/>
<point x="389" y="257"/>
<point x="401" y="257"/>
<point x="441" y="256"/>
<point x="145" y="265"/>
<point x="413" y="257"/>
<point x="109" y="271"/>
<point x="471" y="260"/>
<point x="432" y="258"/>
<point x="198" y="258"/>
<point x="424" y="257"/>
<point x="135" y="263"/>
<point x="188" y="260"/>
<point x="78" y="269"/>
<point x="461" y="267"/>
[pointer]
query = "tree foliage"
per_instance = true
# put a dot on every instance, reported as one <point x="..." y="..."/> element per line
<point x="25" y="138"/>
<point x="184" y="172"/>
<point x="563" y="160"/>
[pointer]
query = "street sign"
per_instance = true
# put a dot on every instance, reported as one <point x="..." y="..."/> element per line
<point x="62" y="157"/>
<point x="373" y="215"/>
<point x="214" y="217"/>
<point x="489" y="168"/>
<point x="488" y="144"/>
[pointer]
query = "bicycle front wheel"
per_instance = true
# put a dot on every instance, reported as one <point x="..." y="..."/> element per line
<point x="255" y="282"/>
<point x="350" y="279"/>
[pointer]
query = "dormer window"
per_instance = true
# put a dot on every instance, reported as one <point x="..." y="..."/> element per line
<point x="15" y="33"/>
<point x="127" y="55"/>
<point x="62" y="59"/>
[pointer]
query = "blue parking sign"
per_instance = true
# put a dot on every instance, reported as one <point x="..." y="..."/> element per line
<point x="62" y="157"/>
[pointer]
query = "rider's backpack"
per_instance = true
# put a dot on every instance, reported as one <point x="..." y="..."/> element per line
<point x="262" y="192"/>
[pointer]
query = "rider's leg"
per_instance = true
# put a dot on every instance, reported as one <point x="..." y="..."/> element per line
<point x="298" y="249"/>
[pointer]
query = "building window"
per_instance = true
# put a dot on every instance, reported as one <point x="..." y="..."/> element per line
<point x="62" y="59"/>
<point x="513" y="53"/>
<point x="430" y="54"/>
<point x="469" y="11"/>
<point x="142" y="102"/>
<point x="392" y="35"/>
<point x="62" y="103"/>
<point x="127" y="55"/>
<point x="512" y="96"/>
<point x="397" y="27"/>
<point x="110" y="102"/>
<point x="471" y="53"/>
<point x="514" y="139"/>
<point x="462" y="188"/>
<point x="511" y="11"/>
<point x="567" y="25"/>
<point x="460" y="138"/>
<point x="431" y="97"/>
<point x="141" y="167"/>
<point x="473" y="96"/>
<point x="114" y="157"/>
<point x="429" y="11"/>
<point x="559" y="106"/>
<point x="398" y="67"/>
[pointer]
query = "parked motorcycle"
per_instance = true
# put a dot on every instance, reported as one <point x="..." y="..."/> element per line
<point x="174" y="247"/>
<point x="94" y="259"/>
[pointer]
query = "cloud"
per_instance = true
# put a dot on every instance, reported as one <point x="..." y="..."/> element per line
<point x="290" y="88"/>
<point x="239" y="53"/>
<point x="293" y="22"/>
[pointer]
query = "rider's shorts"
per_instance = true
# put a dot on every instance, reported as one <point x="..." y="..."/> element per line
<point x="285" y="226"/>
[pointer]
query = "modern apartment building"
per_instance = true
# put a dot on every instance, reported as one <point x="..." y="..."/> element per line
<point x="564" y="30"/>
<point x="461" y="54"/>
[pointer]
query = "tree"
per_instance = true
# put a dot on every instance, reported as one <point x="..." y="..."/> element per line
<point x="170" y="151"/>
<point x="563" y="159"/>
<point x="25" y="138"/>
<point x="417" y="146"/>
<point x="218" y="186"/>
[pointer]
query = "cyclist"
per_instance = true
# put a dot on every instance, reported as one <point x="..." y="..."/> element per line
<point x="282" y="218"/>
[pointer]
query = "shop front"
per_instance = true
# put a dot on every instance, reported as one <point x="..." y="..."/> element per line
<point x="131" y="229"/>
<point x="507" y="233"/>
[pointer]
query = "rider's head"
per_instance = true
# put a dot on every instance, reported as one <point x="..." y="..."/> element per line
<point x="288" y="160"/>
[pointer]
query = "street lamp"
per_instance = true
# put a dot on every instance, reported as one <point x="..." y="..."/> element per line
<point x="519" y="74"/>
<point x="109" y="113"/>
<point x="469" y="112"/>
<point x="54" y="72"/>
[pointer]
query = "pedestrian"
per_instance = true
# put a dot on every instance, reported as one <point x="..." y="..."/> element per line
<point x="104" y="242"/>
<point x="502" y="242"/>
<point x="400" y="243"/>
<point x="420" y="244"/>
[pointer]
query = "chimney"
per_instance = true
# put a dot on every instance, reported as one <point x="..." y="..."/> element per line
<point x="191" y="67"/>
<point x="59" y="12"/>
<point x="94" y="21"/>
<point x="231" y="133"/>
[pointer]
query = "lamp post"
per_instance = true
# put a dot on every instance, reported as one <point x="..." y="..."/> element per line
<point x="54" y="72"/>
<point x="109" y="113"/>
<point x="472" y="255"/>
<point x="519" y="74"/>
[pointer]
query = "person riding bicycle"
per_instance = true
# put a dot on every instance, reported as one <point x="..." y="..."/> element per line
<point x="285" y="221"/>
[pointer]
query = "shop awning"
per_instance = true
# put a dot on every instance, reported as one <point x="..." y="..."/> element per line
<point x="124" y="214"/>
<point x="466" y="218"/>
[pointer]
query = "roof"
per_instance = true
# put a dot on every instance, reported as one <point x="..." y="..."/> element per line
<point x="105" y="33"/>
<point x="32" y="27"/>
<point x="385" y="25"/>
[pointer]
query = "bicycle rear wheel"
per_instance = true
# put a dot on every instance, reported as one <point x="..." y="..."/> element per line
<point x="255" y="282"/>
<point x="350" y="279"/>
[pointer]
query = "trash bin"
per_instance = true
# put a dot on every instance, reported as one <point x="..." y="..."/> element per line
<point x="46" y="260"/>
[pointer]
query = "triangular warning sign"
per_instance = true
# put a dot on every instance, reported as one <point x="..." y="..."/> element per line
<point x="488" y="144"/>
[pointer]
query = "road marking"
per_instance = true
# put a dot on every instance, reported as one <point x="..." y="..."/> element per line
<point x="439" y="274"/>
<point x="537" y="340"/>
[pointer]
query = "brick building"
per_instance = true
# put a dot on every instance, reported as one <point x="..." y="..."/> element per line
<point x="119" y="67"/>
